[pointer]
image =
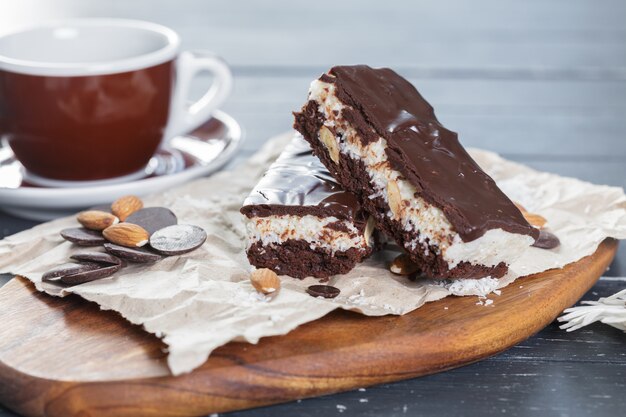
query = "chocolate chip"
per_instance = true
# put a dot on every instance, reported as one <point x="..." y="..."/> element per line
<point x="68" y="269"/>
<point x="326" y="291"/>
<point x="153" y="218"/>
<point x="83" y="237"/>
<point x="132" y="254"/>
<point x="97" y="257"/>
<point x="546" y="240"/>
<point x="87" y="276"/>
<point x="178" y="239"/>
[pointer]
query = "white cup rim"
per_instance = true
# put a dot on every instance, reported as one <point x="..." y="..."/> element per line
<point x="64" y="69"/>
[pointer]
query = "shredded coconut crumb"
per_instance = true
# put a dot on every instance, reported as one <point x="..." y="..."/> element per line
<point x="246" y="297"/>
<point x="481" y="286"/>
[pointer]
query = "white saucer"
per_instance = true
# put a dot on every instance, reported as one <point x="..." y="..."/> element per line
<point x="197" y="154"/>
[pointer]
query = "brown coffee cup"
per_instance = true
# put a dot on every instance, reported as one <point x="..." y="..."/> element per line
<point x="93" y="99"/>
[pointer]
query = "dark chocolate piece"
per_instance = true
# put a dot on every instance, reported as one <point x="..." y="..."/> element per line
<point x="178" y="239"/>
<point x="68" y="269"/>
<point x="326" y="291"/>
<point x="83" y="237"/>
<point x="153" y="218"/>
<point x="423" y="151"/>
<point x="546" y="240"/>
<point x="138" y="255"/>
<point x="88" y="276"/>
<point x="97" y="257"/>
<point x="298" y="184"/>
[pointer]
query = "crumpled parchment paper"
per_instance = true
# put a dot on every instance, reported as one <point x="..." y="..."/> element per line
<point x="199" y="301"/>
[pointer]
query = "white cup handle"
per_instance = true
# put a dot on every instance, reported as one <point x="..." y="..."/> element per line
<point x="184" y="117"/>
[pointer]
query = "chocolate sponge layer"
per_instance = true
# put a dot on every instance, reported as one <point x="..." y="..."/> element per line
<point x="296" y="259"/>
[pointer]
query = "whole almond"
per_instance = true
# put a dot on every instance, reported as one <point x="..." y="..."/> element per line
<point x="328" y="139"/>
<point x="126" y="234"/>
<point x="369" y="227"/>
<point x="403" y="265"/>
<point x="96" y="219"/>
<point x="394" y="198"/>
<point x="535" y="219"/>
<point x="125" y="206"/>
<point x="265" y="281"/>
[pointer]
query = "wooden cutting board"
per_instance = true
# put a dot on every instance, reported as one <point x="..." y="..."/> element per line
<point x="64" y="357"/>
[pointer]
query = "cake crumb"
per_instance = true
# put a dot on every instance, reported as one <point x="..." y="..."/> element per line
<point x="341" y="408"/>
<point x="363" y="400"/>
<point x="480" y="287"/>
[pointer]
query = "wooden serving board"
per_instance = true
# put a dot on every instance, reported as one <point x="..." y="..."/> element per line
<point x="64" y="357"/>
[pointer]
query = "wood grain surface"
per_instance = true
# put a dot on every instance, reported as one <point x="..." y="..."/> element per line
<point x="63" y="357"/>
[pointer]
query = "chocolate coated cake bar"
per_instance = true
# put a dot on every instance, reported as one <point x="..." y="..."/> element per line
<point x="300" y="222"/>
<point x="381" y="140"/>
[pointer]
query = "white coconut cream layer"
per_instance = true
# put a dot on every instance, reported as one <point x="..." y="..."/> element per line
<point x="416" y="215"/>
<point x="312" y="229"/>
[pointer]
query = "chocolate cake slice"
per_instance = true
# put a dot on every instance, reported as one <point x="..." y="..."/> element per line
<point x="300" y="221"/>
<point x="381" y="140"/>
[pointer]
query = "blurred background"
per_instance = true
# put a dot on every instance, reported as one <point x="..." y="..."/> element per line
<point x="542" y="82"/>
<point x="512" y="76"/>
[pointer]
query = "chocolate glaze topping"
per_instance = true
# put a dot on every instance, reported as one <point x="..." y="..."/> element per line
<point x="426" y="153"/>
<point x="298" y="184"/>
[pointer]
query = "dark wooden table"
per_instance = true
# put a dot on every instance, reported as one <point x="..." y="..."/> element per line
<point x="542" y="82"/>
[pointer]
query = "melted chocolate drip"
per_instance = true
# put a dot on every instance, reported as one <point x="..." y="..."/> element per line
<point x="426" y="153"/>
<point x="298" y="184"/>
